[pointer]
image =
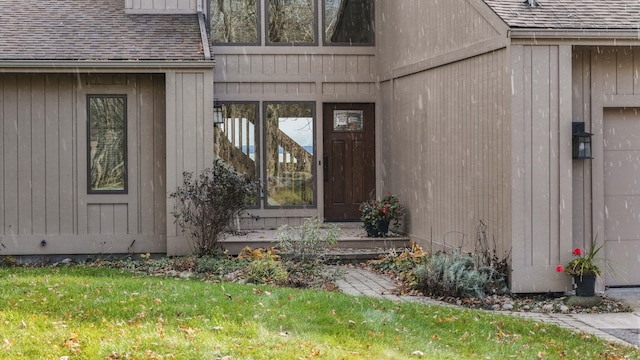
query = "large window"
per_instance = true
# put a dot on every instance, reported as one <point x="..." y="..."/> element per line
<point x="285" y="149"/>
<point x="234" y="21"/>
<point x="291" y="21"/>
<point x="235" y="138"/>
<point x="348" y="22"/>
<point x="289" y="157"/>
<point x="107" y="145"/>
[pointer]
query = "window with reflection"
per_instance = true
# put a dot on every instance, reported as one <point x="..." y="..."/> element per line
<point x="348" y="22"/>
<point x="234" y="21"/>
<point x="290" y="154"/>
<point x="235" y="138"/>
<point x="107" y="143"/>
<point x="291" y="21"/>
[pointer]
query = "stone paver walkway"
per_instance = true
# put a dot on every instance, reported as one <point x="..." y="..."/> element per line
<point x="617" y="327"/>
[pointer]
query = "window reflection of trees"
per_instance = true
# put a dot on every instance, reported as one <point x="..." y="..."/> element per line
<point x="348" y="22"/>
<point x="234" y="21"/>
<point x="290" y="173"/>
<point x="107" y="130"/>
<point x="235" y="138"/>
<point x="291" y="21"/>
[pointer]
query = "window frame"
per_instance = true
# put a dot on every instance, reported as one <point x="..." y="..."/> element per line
<point x="125" y="189"/>
<point x="314" y="170"/>
<point x="324" y="30"/>
<point x="315" y="41"/>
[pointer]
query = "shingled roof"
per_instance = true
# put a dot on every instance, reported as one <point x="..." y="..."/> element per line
<point x="569" y="14"/>
<point x="94" y="30"/>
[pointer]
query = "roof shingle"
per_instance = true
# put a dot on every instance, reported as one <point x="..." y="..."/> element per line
<point x="94" y="30"/>
<point x="569" y="14"/>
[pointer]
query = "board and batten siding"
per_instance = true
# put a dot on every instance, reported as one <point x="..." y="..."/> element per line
<point x="541" y="166"/>
<point x="412" y="34"/>
<point x="607" y="98"/>
<point x="43" y="180"/>
<point x="189" y="134"/>
<point x="445" y="149"/>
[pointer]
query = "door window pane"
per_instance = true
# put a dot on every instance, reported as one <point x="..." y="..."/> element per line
<point x="348" y="120"/>
<point x="234" y="21"/>
<point x="291" y="21"/>
<point x="290" y="154"/>
<point x="348" y="22"/>
<point x="107" y="145"/>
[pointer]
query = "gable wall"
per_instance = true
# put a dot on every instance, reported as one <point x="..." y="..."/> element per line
<point x="411" y="32"/>
<point x="448" y="158"/>
<point x="445" y="131"/>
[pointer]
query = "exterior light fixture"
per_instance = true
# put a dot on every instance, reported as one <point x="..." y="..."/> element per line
<point x="581" y="141"/>
<point x="217" y="113"/>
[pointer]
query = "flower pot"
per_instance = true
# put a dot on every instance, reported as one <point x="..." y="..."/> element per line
<point x="585" y="285"/>
<point x="379" y="229"/>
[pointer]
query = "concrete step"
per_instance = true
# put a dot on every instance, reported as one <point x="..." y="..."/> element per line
<point x="353" y="239"/>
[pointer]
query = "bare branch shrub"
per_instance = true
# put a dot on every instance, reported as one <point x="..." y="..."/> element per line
<point x="206" y="206"/>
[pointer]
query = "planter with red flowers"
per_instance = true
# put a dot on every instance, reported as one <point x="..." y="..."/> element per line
<point x="583" y="269"/>
<point x="377" y="215"/>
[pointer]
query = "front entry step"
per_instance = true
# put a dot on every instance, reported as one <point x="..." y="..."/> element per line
<point x="353" y="244"/>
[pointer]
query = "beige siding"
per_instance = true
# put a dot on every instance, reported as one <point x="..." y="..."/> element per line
<point x="582" y="195"/>
<point x="37" y="196"/>
<point x="445" y="151"/>
<point x="444" y="139"/>
<point x="413" y="31"/>
<point x="542" y="165"/>
<point x="189" y="137"/>
<point x="160" y="6"/>
<point x="43" y="193"/>
<point x="606" y="92"/>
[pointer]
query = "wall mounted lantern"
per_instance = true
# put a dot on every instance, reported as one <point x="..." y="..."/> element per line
<point x="581" y="141"/>
<point x="217" y="113"/>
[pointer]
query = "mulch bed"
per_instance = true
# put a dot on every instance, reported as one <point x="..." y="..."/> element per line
<point x="537" y="303"/>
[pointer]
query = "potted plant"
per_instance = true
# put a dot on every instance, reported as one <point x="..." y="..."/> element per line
<point x="583" y="269"/>
<point x="378" y="214"/>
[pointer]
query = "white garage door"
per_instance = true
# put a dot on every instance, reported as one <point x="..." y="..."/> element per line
<point x="622" y="193"/>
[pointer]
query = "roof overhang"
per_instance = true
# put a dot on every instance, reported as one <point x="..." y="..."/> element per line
<point x="602" y="36"/>
<point x="86" y="66"/>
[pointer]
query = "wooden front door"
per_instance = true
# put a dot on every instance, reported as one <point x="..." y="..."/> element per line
<point x="348" y="159"/>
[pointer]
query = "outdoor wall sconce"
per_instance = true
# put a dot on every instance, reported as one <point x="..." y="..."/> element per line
<point x="217" y="113"/>
<point x="581" y="141"/>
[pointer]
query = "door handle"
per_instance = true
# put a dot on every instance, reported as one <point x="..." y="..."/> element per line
<point x="325" y="167"/>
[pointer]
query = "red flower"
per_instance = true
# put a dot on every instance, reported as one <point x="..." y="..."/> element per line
<point x="577" y="252"/>
<point x="559" y="268"/>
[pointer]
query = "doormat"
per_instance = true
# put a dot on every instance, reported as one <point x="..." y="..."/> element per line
<point x="629" y="335"/>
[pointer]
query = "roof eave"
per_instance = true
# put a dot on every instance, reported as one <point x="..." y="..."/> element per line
<point x="121" y="66"/>
<point x="571" y="33"/>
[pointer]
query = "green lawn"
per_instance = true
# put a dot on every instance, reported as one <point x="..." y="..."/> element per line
<point x="98" y="313"/>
